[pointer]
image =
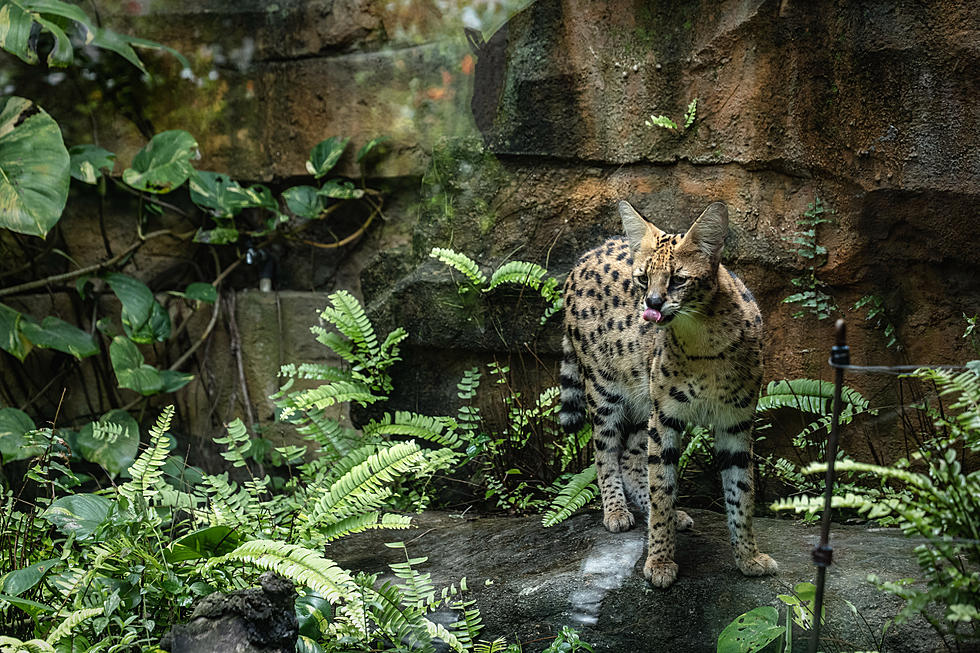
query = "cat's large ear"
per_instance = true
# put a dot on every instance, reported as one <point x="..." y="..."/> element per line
<point x="635" y="226"/>
<point x="708" y="232"/>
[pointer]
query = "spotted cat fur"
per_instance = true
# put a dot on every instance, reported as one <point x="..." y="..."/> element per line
<point x="659" y="335"/>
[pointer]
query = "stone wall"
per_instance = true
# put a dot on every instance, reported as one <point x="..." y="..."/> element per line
<point x="518" y="141"/>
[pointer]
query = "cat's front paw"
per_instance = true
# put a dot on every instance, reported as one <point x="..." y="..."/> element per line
<point x="759" y="565"/>
<point x="659" y="572"/>
<point x="617" y="521"/>
<point x="684" y="521"/>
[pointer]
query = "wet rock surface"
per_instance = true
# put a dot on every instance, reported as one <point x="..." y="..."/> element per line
<point x="260" y="620"/>
<point x="530" y="581"/>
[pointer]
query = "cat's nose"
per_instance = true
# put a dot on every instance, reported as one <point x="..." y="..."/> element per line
<point x="655" y="301"/>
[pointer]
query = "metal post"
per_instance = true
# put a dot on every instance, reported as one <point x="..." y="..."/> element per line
<point x="840" y="355"/>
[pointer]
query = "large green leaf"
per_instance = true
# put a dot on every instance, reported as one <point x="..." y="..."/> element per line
<point x="12" y="338"/>
<point x="16" y="442"/>
<point x="164" y="163"/>
<point x="122" y="45"/>
<point x="80" y="514"/>
<point x="225" y="197"/>
<point x="205" y="543"/>
<point x="325" y="156"/>
<point x="88" y="162"/>
<point x="34" y="167"/>
<point x="304" y="201"/>
<point x="55" y="333"/>
<point x="114" y="444"/>
<point x="174" y="380"/>
<point x="751" y="632"/>
<point x="131" y="371"/>
<point x="202" y="292"/>
<point x="19" y="581"/>
<point x="144" y="319"/>
<point x="17" y="18"/>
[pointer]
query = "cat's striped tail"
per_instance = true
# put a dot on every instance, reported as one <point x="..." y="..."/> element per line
<point x="572" y="413"/>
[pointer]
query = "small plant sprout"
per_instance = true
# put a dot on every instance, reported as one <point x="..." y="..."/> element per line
<point x="666" y="123"/>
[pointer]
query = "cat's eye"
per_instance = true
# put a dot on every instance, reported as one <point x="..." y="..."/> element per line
<point x="678" y="282"/>
<point x="640" y="277"/>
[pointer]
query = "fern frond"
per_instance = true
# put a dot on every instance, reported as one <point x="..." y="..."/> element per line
<point x="580" y="490"/>
<point x="108" y="431"/>
<point x="347" y="314"/>
<point x="237" y="442"/>
<point x="462" y="263"/>
<point x="661" y="121"/>
<point x="66" y="627"/>
<point x="417" y="588"/>
<point x="360" y="523"/>
<point x="807" y="395"/>
<point x="468" y="628"/>
<point x="367" y="484"/>
<point x="315" y="372"/>
<point x="329" y="394"/>
<point x="146" y="472"/>
<point x="433" y="429"/>
<point x="15" y="645"/>
<point x="333" y="439"/>
<point x="874" y="509"/>
<point x="911" y="478"/>
<point x="298" y="564"/>
<point x="399" y="623"/>
<point x="523" y="273"/>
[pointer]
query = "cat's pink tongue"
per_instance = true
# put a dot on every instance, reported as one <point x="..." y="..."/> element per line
<point x="652" y="315"/>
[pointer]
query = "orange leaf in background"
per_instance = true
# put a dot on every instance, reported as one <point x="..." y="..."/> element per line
<point x="468" y="64"/>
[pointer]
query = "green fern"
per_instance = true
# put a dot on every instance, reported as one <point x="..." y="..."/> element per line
<point x="346" y="313"/>
<point x="580" y="490"/>
<point x="661" y="121"/>
<point x="14" y="645"/>
<point x="330" y="394"/>
<point x="808" y="395"/>
<point x="522" y="273"/>
<point x="366" y="485"/>
<point x="237" y="441"/>
<point x="300" y="565"/>
<point x="67" y="627"/>
<point x="315" y="372"/>
<point x="108" y="431"/>
<point x="146" y="472"/>
<point x="362" y="522"/>
<point x="468" y="415"/>
<point x="438" y="430"/>
<point x="463" y="264"/>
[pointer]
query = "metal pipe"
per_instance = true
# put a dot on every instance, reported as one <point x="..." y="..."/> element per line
<point x="823" y="553"/>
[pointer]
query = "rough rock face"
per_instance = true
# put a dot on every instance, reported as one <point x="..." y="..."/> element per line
<point x="529" y="581"/>
<point x="247" y="621"/>
<point x="517" y="142"/>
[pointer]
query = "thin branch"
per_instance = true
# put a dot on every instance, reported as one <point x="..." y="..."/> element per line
<point x="40" y="283"/>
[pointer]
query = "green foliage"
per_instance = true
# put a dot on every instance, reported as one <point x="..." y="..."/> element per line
<point x="661" y="121"/>
<point x="580" y="490"/>
<point x="877" y="314"/>
<point x="666" y="123"/>
<point x="930" y="496"/>
<point x="759" y="627"/>
<point x="19" y="19"/>
<point x="34" y="166"/>
<point x="520" y="273"/>
<point x="811" y="296"/>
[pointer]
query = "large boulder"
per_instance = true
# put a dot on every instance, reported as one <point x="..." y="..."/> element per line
<point x="529" y="581"/>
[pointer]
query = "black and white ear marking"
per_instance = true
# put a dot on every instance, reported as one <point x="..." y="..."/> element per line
<point x="635" y="226"/>
<point x="708" y="232"/>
